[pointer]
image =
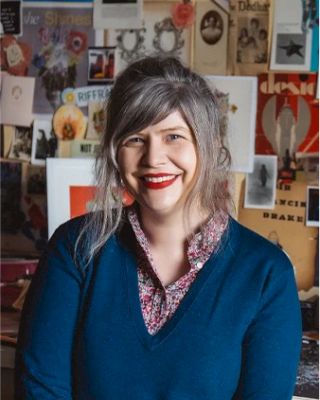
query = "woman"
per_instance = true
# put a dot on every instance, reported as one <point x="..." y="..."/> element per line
<point x="169" y="298"/>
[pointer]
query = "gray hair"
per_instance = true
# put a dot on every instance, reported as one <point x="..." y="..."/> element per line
<point x="144" y="94"/>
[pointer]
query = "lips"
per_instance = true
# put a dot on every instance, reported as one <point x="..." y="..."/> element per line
<point x="158" y="181"/>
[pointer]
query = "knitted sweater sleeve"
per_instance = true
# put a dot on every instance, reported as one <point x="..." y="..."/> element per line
<point x="44" y="350"/>
<point x="272" y="344"/>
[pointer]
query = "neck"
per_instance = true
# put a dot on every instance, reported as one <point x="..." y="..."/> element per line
<point x="170" y="229"/>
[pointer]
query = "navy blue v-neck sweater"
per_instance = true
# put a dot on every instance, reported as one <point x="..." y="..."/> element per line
<point x="235" y="335"/>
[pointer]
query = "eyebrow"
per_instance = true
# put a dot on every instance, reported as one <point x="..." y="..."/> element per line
<point x="175" y="128"/>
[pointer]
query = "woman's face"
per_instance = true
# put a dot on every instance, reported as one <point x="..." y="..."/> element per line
<point x="158" y="165"/>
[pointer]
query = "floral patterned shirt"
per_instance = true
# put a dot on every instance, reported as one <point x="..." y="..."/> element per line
<point x="159" y="302"/>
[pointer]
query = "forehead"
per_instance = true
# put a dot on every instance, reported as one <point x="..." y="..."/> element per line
<point x="173" y="121"/>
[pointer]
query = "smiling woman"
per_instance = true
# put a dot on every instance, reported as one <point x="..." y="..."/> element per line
<point x="169" y="298"/>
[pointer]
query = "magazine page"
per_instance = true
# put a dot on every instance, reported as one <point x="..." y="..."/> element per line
<point x="287" y="117"/>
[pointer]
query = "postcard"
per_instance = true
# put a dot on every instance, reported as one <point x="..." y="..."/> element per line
<point x="117" y="14"/>
<point x="211" y="39"/>
<point x="291" y="40"/>
<point x="16" y="100"/>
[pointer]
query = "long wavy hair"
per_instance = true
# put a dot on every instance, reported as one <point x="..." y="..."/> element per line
<point x="144" y="94"/>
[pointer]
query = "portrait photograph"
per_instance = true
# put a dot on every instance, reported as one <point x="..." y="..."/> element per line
<point x="101" y="65"/>
<point x="211" y="27"/>
<point x="260" y="191"/>
<point x="252" y="40"/>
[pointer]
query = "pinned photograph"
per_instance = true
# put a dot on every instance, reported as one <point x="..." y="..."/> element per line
<point x="44" y="142"/>
<point x="101" y="65"/>
<point x="22" y="144"/>
<point x="260" y="189"/>
<point x="312" y="211"/>
<point x="252" y="44"/>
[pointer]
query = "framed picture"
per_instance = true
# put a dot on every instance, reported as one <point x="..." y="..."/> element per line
<point x="44" y="142"/>
<point x="312" y="211"/>
<point x="237" y="97"/>
<point x="70" y="189"/>
<point x="101" y="65"/>
<point x="260" y="189"/>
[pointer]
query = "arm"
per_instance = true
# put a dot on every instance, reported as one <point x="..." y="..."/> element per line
<point x="271" y="348"/>
<point x="44" y="350"/>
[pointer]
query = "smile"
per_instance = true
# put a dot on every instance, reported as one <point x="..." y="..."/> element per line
<point x="158" y="181"/>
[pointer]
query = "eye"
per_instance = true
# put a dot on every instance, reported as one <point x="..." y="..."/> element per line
<point x="173" y="137"/>
<point x="133" y="141"/>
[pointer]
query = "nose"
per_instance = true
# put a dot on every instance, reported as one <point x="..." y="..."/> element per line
<point x="154" y="153"/>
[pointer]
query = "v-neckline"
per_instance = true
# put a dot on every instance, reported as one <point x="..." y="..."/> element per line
<point x="152" y="341"/>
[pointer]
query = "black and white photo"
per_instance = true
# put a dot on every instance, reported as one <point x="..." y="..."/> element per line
<point x="21" y="144"/>
<point x="291" y="48"/>
<point x="260" y="189"/>
<point x="252" y="41"/>
<point x="312" y="211"/>
<point x="44" y="142"/>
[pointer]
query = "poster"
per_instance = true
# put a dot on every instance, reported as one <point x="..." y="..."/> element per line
<point x="157" y="36"/>
<point x="249" y="37"/>
<point x="60" y="38"/>
<point x="291" y="37"/>
<point x="285" y="226"/>
<point x="211" y="39"/>
<point x="237" y="97"/>
<point x="287" y="117"/>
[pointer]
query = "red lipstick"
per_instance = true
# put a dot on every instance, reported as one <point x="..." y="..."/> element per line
<point x="158" y="181"/>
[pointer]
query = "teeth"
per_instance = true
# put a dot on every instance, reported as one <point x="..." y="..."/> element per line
<point x="159" y="179"/>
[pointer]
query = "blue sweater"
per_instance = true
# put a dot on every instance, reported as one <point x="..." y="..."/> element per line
<point x="236" y="334"/>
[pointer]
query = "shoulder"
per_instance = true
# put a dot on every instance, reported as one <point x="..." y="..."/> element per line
<point x="256" y="250"/>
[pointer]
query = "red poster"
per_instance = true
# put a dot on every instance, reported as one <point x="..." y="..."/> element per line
<point x="81" y="200"/>
<point x="287" y="117"/>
